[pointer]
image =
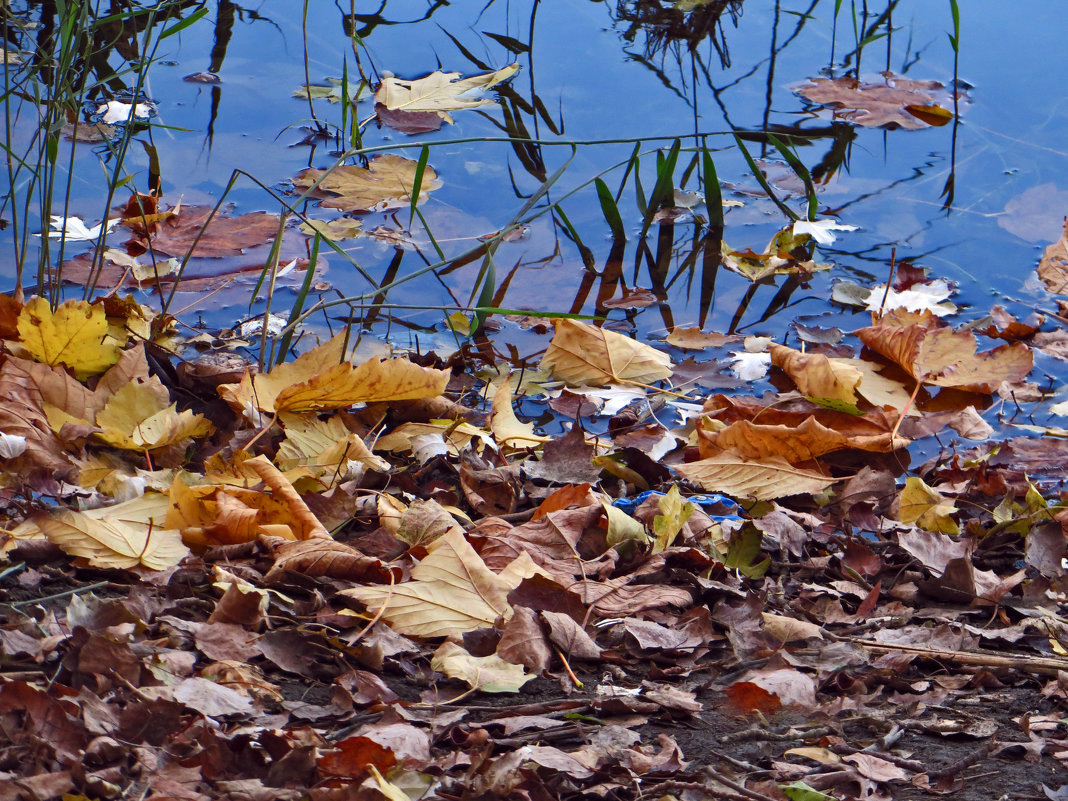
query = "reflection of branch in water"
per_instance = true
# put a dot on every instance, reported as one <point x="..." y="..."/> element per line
<point x="666" y="27"/>
<point x="362" y="25"/>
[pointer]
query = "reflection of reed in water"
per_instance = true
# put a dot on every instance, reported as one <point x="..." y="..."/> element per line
<point x="668" y="24"/>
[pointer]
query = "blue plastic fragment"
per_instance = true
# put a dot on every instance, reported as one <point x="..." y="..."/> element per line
<point x="628" y="505"/>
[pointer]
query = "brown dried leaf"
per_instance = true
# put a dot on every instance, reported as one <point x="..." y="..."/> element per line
<point x="583" y="354"/>
<point x="1053" y="268"/>
<point x="222" y="237"/>
<point x="795" y="444"/>
<point x="386" y="183"/>
<point x="325" y="557"/>
<point x="830" y="382"/>
<point x="893" y="101"/>
<point x="938" y="355"/>
<point x="451" y="591"/>
<point x="762" y="479"/>
<point x="696" y="339"/>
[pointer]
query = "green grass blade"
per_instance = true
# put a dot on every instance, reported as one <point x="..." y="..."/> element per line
<point x="298" y="305"/>
<point x="713" y="194"/>
<point x="663" y="195"/>
<point x="802" y="172"/>
<point x="764" y="182"/>
<point x="181" y="25"/>
<point x="610" y="209"/>
<point x="417" y="184"/>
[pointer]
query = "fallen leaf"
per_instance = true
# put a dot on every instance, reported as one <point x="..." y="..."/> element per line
<point x="789" y="629"/>
<point x="935" y="354"/>
<point x="190" y="231"/>
<point x="135" y="419"/>
<point x="451" y="591"/>
<point x="75" y="335"/>
<point x="385" y="183"/>
<point x="674" y="512"/>
<point x="763" y="479"/>
<point x="490" y="674"/>
<point x="831" y="383"/>
<point x="794" y="444"/>
<point x="696" y="339"/>
<point x="1036" y="215"/>
<point x="582" y="354"/>
<point x="110" y="542"/>
<point x="506" y="428"/>
<point x="883" y="101"/>
<point x="370" y="382"/>
<point x="923" y="505"/>
<point x="1053" y="268"/>
<point x="438" y="93"/>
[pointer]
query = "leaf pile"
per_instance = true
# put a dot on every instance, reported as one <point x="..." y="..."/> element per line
<point x="334" y="580"/>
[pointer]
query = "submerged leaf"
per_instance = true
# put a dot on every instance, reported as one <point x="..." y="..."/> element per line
<point x="890" y="100"/>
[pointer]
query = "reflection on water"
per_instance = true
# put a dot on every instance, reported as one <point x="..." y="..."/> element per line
<point x="630" y="76"/>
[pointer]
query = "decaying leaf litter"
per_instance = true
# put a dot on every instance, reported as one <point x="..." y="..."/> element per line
<point x="372" y="578"/>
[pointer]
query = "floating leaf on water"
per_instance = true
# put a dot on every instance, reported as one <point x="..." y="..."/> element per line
<point x="889" y="100"/>
<point x="386" y="183"/>
<point x="433" y="96"/>
<point x="1053" y="269"/>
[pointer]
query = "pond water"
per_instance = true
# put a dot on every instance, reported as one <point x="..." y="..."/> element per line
<point x="974" y="200"/>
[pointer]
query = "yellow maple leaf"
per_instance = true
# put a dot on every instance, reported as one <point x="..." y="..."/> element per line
<point x="74" y="335"/>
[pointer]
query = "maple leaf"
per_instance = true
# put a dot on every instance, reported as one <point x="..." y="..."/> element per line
<point x="892" y="100"/>
<point x="76" y="335"/>
<point x="320" y="379"/>
<point x="370" y="382"/>
<point x="926" y="507"/>
<point x="134" y="418"/>
<point x="583" y="354"/>
<point x="935" y="354"/>
<point x="326" y="447"/>
<point x="451" y="591"/>
<point x="438" y="93"/>
<point x="762" y="479"/>
<point x="490" y="674"/>
<point x="385" y="183"/>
